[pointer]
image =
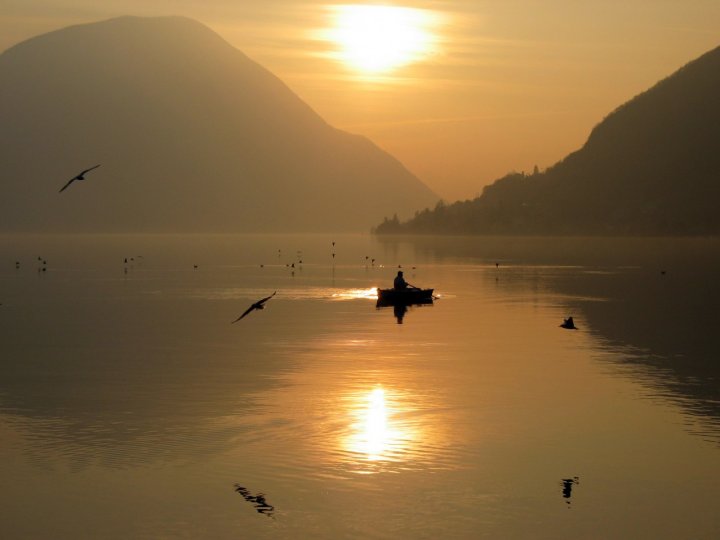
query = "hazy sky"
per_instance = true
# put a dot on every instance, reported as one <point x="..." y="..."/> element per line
<point x="478" y="89"/>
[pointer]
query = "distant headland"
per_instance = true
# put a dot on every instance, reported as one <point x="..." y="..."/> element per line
<point x="651" y="167"/>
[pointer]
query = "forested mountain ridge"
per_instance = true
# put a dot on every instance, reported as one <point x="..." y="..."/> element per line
<point x="651" y="167"/>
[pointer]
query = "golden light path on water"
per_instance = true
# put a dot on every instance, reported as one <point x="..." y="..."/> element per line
<point x="304" y="293"/>
<point x="352" y="294"/>
<point x="374" y="433"/>
<point x="370" y="413"/>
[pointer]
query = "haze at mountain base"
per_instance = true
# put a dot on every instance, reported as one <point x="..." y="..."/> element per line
<point x="192" y="136"/>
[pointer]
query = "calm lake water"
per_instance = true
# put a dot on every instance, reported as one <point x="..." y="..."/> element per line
<point x="130" y="407"/>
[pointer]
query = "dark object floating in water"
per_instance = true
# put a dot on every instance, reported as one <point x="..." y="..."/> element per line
<point x="401" y="299"/>
<point x="568" y="324"/>
<point x="567" y="485"/>
<point x="388" y="297"/>
<point x="258" y="501"/>
<point x="260" y="304"/>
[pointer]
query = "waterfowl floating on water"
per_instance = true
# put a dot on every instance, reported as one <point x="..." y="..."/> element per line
<point x="568" y="324"/>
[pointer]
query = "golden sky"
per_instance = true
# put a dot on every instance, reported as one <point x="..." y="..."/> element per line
<point x="467" y="90"/>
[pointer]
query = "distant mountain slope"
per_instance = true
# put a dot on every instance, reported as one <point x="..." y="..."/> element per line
<point x="651" y="167"/>
<point x="192" y="136"/>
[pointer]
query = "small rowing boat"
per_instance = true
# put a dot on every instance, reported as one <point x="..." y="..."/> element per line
<point x="407" y="296"/>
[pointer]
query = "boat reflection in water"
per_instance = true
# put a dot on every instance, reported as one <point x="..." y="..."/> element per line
<point x="401" y="300"/>
<point x="375" y="435"/>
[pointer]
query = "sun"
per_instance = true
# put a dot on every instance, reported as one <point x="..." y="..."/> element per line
<point x="379" y="38"/>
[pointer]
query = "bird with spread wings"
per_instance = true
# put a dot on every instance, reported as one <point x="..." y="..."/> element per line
<point x="260" y="304"/>
<point x="80" y="176"/>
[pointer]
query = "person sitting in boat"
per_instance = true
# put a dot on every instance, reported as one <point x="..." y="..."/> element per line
<point x="400" y="284"/>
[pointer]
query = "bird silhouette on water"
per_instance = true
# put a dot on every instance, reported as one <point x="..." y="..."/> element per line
<point x="567" y="486"/>
<point x="80" y="176"/>
<point x="260" y="304"/>
<point x="258" y="501"/>
<point x="568" y="324"/>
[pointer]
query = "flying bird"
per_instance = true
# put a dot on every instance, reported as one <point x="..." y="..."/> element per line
<point x="80" y="176"/>
<point x="260" y="304"/>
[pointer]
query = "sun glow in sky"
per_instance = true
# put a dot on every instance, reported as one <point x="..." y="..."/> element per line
<point x="378" y="39"/>
<point x="460" y="92"/>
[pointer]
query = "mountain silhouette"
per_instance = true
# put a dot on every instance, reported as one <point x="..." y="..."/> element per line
<point x="651" y="167"/>
<point x="192" y="135"/>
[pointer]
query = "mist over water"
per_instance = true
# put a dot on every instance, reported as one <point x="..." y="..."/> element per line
<point x="131" y="407"/>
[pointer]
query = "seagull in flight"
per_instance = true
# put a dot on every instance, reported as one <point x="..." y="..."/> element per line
<point x="80" y="176"/>
<point x="260" y="304"/>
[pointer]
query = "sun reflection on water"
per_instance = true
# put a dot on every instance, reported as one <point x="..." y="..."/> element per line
<point x="374" y="433"/>
<point x="352" y="294"/>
